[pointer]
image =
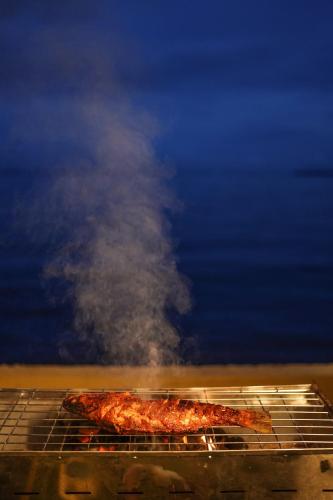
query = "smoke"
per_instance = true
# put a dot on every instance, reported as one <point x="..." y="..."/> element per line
<point x="118" y="258"/>
<point x="105" y="214"/>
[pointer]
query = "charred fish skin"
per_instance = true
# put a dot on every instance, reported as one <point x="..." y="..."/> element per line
<point x="129" y="414"/>
<point x="83" y="404"/>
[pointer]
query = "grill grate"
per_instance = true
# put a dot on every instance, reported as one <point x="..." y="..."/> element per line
<point x="34" y="420"/>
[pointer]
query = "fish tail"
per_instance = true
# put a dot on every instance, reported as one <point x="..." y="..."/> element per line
<point x="258" y="421"/>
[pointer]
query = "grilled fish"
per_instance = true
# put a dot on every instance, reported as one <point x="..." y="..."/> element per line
<point x="125" y="413"/>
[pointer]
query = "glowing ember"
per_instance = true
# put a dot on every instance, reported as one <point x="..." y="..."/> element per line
<point x="86" y="434"/>
<point x="208" y="441"/>
<point x="106" y="448"/>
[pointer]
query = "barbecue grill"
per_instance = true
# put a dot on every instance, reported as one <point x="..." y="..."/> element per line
<point x="48" y="453"/>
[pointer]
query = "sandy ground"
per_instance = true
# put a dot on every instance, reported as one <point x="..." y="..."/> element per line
<point x="52" y="376"/>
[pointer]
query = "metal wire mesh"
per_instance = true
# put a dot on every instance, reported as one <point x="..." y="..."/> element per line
<point x="34" y="420"/>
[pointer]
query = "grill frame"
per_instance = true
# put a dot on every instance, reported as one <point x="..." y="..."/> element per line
<point x="319" y="410"/>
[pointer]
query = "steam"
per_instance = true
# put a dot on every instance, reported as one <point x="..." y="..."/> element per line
<point x="105" y="215"/>
<point x="111" y="204"/>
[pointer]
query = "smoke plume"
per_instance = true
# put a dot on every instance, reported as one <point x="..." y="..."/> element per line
<point x="118" y="258"/>
<point x="106" y="211"/>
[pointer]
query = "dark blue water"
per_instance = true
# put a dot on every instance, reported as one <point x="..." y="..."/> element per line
<point x="256" y="245"/>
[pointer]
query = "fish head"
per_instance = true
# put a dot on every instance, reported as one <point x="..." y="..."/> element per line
<point x="83" y="404"/>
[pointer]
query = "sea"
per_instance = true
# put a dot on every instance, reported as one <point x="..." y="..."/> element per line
<point x="255" y="244"/>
